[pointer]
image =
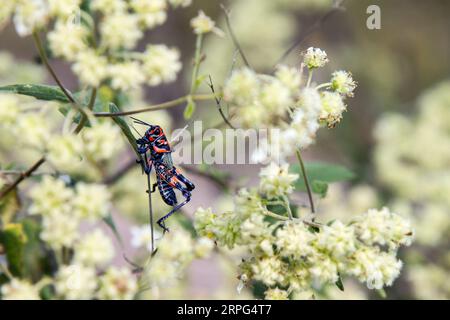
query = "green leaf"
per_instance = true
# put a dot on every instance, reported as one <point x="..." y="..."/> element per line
<point x="189" y="110"/>
<point x="382" y="293"/>
<point x="321" y="174"/>
<point x="110" y="222"/>
<point x="9" y="205"/>
<point x="13" y="239"/>
<point x="41" y="92"/>
<point x="37" y="258"/>
<point x="199" y="81"/>
<point x="320" y="188"/>
<point x="339" y="283"/>
<point x="101" y="104"/>
<point x="125" y="128"/>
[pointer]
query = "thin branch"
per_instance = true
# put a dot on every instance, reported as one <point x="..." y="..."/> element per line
<point x="22" y="177"/>
<point x="305" y="179"/>
<point x="197" y="61"/>
<point x="337" y="6"/>
<point x="233" y="36"/>
<point x="219" y="105"/>
<point x="43" y="56"/>
<point x="150" y="208"/>
<point x="116" y="176"/>
<point x="160" y="106"/>
<point x="90" y="107"/>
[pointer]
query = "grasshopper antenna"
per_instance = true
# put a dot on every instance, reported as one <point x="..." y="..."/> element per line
<point x="138" y="121"/>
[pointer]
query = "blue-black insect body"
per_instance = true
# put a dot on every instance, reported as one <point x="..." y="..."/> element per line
<point x="157" y="154"/>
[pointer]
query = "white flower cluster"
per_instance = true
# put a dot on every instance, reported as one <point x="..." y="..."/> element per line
<point x="95" y="145"/>
<point x="63" y="208"/>
<point x="284" y="102"/>
<point x="122" y="24"/>
<point x="175" y="252"/>
<point x="287" y="252"/>
<point x="81" y="277"/>
<point x="413" y="151"/>
<point x="203" y="24"/>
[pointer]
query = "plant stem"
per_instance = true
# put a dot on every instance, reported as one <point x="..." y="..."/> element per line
<point x="22" y="177"/>
<point x="150" y="208"/>
<point x="310" y="74"/>
<point x="43" y="56"/>
<point x="198" y="51"/>
<point x="283" y="218"/>
<point x="323" y="85"/>
<point x="90" y="107"/>
<point x="164" y="105"/>
<point x="233" y="36"/>
<point x="306" y="180"/>
<point x="288" y="207"/>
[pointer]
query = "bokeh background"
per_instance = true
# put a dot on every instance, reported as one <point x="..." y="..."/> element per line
<point x="395" y="135"/>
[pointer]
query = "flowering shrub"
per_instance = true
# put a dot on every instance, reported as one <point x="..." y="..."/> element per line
<point x="59" y="236"/>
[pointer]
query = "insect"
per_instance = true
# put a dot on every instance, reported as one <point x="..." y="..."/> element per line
<point x="157" y="154"/>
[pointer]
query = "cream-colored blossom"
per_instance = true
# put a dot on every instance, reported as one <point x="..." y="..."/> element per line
<point x="94" y="249"/>
<point x="203" y="247"/>
<point x="126" y="75"/>
<point x="91" y="201"/>
<point x="64" y="152"/>
<point x="101" y="141"/>
<point x="90" y="68"/>
<point x="161" y="64"/>
<point x="76" y="282"/>
<point x="51" y="197"/>
<point x="342" y="82"/>
<point x="30" y="15"/>
<point x="375" y="267"/>
<point x="60" y="230"/>
<point x="315" y="58"/>
<point x="151" y="13"/>
<point x="18" y="289"/>
<point x="117" y="284"/>
<point x="332" y="108"/>
<point x="120" y="30"/>
<point x="67" y="40"/>
<point x="338" y="239"/>
<point x="180" y="3"/>
<point x="275" y="97"/>
<point x="290" y="77"/>
<point x="276" y="180"/>
<point x="294" y="239"/>
<point x="276" y="294"/>
<point x="385" y="228"/>
<point x="324" y="269"/>
<point x="269" y="270"/>
<point x="9" y="109"/>
<point x="142" y="237"/>
<point x="242" y="87"/>
<point x="109" y="6"/>
<point x="33" y="130"/>
<point x="204" y="24"/>
<point x="64" y="9"/>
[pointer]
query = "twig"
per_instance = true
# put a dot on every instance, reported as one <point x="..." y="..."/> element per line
<point x="150" y="208"/>
<point x="43" y="56"/>
<point x="219" y="105"/>
<point x="305" y="179"/>
<point x="90" y="107"/>
<point x="335" y="8"/>
<point x="160" y="106"/>
<point x="22" y="177"/>
<point x="197" y="61"/>
<point x="233" y="36"/>
<point x="110" y="180"/>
